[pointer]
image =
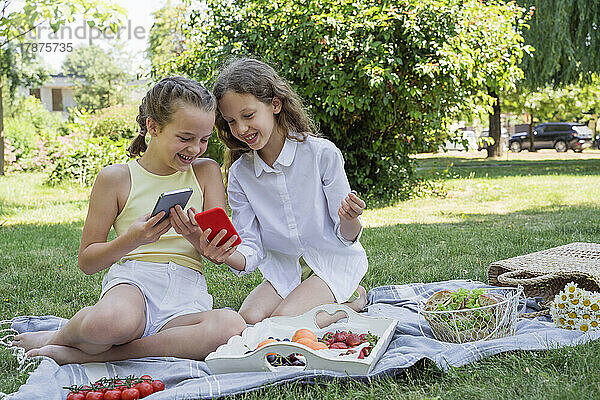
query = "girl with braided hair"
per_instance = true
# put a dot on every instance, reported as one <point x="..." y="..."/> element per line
<point x="154" y="299"/>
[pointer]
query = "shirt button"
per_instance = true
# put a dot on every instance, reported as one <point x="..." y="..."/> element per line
<point x="173" y="267"/>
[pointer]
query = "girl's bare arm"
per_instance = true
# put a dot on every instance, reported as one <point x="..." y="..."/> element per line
<point x="95" y="253"/>
<point x="215" y="197"/>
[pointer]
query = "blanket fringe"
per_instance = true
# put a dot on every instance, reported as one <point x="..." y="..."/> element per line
<point x="4" y="343"/>
<point x="25" y="364"/>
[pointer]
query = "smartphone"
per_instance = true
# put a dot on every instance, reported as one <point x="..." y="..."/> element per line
<point x="170" y="199"/>
<point x="216" y="219"/>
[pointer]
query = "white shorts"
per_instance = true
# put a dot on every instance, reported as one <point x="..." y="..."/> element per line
<point x="170" y="290"/>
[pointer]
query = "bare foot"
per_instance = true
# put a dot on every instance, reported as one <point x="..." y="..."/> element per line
<point x="33" y="340"/>
<point x="361" y="302"/>
<point x="62" y="354"/>
<point x="324" y="319"/>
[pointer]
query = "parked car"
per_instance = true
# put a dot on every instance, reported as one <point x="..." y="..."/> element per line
<point x="465" y="137"/>
<point x="560" y="136"/>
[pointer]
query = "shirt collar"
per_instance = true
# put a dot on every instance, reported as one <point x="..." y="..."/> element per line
<point x="285" y="158"/>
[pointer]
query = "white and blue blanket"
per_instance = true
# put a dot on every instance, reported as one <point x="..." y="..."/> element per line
<point x="192" y="379"/>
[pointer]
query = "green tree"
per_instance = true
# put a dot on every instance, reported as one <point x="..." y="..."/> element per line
<point x="566" y="38"/>
<point x="383" y="80"/>
<point x="166" y="38"/>
<point x="15" y="24"/>
<point x="100" y="81"/>
<point x="486" y="52"/>
<point x="21" y="68"/>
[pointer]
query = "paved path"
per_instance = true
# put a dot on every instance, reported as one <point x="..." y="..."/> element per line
<point x="478" y="159"/>
<point x="546" y="154"/>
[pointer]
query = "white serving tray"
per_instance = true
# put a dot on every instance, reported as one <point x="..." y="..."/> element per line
<point x="230" y="357"/>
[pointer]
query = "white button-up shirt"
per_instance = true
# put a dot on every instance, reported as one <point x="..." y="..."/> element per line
<point x="291" y="211"/>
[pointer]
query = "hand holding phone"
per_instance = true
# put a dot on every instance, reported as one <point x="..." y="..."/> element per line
<point x="170" y="199"/>
<point x="216" y="219"/>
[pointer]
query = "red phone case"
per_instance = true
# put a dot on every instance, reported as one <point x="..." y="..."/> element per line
<point x="216" y="219"/>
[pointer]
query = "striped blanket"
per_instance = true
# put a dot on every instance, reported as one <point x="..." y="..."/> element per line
<point x="412" y="341"/>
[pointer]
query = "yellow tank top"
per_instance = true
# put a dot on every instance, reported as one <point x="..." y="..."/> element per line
<point x="145" y="189"/>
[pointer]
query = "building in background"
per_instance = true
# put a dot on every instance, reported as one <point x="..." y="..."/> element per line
<point x="57" y="94"/>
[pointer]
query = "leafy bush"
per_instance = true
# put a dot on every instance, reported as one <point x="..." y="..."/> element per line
<point x="80" y="158"/>
<point x="383" y="80"/>
<point x="38" y="157"/>
<point x="215" y="149"/>
<point x="27" y="127"/>
<point x="116" y="121"/>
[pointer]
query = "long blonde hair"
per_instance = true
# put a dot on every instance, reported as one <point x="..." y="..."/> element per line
<point x="251" y="76"/>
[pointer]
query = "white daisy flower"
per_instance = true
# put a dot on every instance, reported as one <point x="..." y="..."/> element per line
<point x="576" y="309"/>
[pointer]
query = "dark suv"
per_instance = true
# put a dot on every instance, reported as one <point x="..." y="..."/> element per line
<point x="561" y="136"/>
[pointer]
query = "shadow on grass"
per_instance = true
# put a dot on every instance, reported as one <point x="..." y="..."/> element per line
<point x="405" y="253"/>
<point x="460" y="167"/>
<point x="37" y="235"/>
<point x="386" y="386"/>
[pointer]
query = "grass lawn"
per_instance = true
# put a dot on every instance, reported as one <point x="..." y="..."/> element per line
<point x="492" y="210"/>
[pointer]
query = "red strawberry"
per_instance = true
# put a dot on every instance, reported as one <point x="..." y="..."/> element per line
<point x="340" y="336"/>
<point x="353" y="340"/>
<point x="362" y="354"/>
<point x="338" y="345"/>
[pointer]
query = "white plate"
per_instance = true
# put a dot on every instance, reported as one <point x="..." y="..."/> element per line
<point x="230" y="357"/>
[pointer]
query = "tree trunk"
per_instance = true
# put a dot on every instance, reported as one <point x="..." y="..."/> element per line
<point x="495" y="150"/>
<point x="531" y="137"/>
<point x="596" y="142"/>
<point x="1" y="130"/>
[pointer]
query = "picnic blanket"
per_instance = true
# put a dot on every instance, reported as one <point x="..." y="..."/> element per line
<point x="187" y="379"/>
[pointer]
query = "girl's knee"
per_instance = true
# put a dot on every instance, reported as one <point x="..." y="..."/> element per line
<point x="285" y="310"/>
<point x="231" y="323"/>
<point x="108" y="326"/>
<point x="252" y="316"/>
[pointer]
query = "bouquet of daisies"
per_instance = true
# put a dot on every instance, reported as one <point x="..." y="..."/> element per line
<point x="576" y="309"/>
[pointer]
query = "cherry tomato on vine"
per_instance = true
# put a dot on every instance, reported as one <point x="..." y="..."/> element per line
<point x="145" y="389"/>
<point x="130" y="394"/>
<point x="158" y="385"/>
<point x="94" y="395"/>
<point x="113" y="394"/>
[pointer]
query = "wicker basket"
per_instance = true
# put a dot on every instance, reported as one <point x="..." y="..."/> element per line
<point x="488" y="322"/>
<point x="545" y="273"/>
